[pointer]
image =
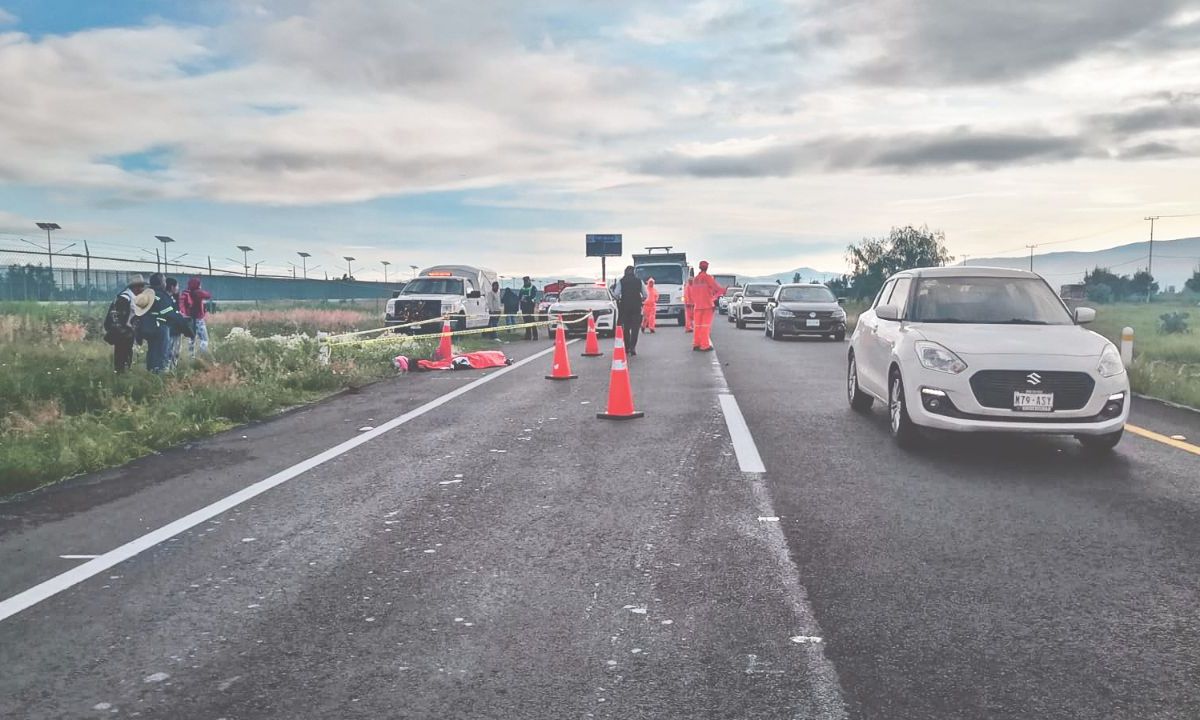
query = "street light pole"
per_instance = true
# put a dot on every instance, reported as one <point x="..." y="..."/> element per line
<point x="304" y="262"/>
<point x="48" y="226"/>
<point x="414" y="269"/>
<point x="166" y="267"/>
<point x="246" y="249"/>
<point x="385" y="264"/>
<point x="349" y="272"/>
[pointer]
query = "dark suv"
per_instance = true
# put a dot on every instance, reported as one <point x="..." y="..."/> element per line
<point x="805" y="309"/>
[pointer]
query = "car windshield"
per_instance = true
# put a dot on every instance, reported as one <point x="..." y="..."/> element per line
<point x="434" y="286"/>
<point x="583" y="293"/>
<point x="760" y="290"/>
<point x="668" y="274"/>
<point x="987" y="300"/>
<point x="806" y="294"/>
<point x="549" y="297"/>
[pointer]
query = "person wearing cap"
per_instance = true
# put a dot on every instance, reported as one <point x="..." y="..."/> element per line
<point x="161" y="320"/>
<point x="704" y="293"/>
<point x="689" y="307"/>
<point x="122" y="318"/>
<point x="527" y="296"/>
<point x="650" y="308"/>
<point x="630" y="295"/>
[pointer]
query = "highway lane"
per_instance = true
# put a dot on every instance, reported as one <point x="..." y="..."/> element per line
<point x="503" y="555"/>
<point x="982" y="576"/>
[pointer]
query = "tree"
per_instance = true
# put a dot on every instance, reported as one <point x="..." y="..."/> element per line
<point x="1142" y="284"/>
<point x="1193" y="283"/>
<point x="874" y="259"/>
<point x="1115" y="287"/>
<point x="840" y="287"/>
<point x="29" y="282"/>
<point x="796" y="278"/>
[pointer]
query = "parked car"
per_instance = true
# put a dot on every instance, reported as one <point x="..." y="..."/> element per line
<point x="805" y="309"/>
<point x="984" y="349"/>
<point x="753" y="305"/>
<point x="454" y="292"/>
<point x="544" y="303"/>
<point x="734" y="299"/>
<point x="576" y="303"/>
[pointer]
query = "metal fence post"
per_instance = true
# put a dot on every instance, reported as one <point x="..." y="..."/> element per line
<point x="87" y="276"/>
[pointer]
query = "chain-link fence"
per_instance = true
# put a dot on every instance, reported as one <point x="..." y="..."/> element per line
<point x="27" y="276"/>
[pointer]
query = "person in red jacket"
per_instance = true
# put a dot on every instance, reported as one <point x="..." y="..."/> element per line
<point x="192" y="306"/>
<point x="704" y="291"/>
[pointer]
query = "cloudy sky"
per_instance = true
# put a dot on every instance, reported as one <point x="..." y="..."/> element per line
<point x="760" y="134"/>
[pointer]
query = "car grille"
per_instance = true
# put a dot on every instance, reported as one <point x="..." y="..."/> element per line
<point x="414" y="310"/>
<point x="995" y="388"/>
<point x="758" y="307"/>
<point x="664" y="299"/>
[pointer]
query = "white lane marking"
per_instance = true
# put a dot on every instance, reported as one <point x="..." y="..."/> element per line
<point x="743" y="442"/>
<point x="58" y="583"/>
<point x="78" y="557"/>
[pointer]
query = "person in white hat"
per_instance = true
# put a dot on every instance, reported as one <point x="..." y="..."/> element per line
<point x="120" y="322"/>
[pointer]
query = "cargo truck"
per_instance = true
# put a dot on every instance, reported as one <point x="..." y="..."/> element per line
<point x="669" y="270"/>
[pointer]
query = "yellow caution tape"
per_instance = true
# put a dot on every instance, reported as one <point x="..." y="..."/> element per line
<point x="338" y="341"/>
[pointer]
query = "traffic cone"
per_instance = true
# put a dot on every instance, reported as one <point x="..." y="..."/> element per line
<point x="592" y="349"/>
<point x="562" y="363"/>
<point x="620" y="392"/>
<point x="445" y="350"/>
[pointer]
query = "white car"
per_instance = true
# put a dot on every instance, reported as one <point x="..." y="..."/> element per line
<point x="984" y="349"/>
<point x="577" y="302"/>
<point x="752" y="307"/>
<point x="725" y="300"/>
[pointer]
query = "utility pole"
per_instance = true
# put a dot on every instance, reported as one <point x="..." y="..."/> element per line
<point x="1031" y="247"/>
<point x="964" y="260"/>
<point x="385" y="264"/>
<point x="87" y="278"/>
<point x="1150" y="258"/>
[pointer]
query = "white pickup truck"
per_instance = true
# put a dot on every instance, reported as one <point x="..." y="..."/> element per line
<point x="456" y="292"/>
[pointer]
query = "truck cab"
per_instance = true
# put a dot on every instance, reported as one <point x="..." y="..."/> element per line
<point x="455" y="292"/>
<point x="670" y="271"/>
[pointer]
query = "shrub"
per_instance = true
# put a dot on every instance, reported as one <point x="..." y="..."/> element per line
<point x="1173" y="323"/>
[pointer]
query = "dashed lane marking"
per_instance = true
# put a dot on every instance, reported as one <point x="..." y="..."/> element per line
<point x="1164" y="439"/>
<point x="58" y="583"/>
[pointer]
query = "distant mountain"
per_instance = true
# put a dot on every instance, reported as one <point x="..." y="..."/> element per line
<point x="1174" y="261"/>
<point x="806" y="274"/>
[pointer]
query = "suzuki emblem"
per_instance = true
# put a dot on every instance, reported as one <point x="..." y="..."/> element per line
<point x="1033" y="379"/>
<point x="812" y="314"/>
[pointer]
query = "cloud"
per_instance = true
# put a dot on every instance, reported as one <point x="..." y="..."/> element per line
<point x="934" y="42"/>
<point x="7" y="18"/>
<point x="1179" y="111"/>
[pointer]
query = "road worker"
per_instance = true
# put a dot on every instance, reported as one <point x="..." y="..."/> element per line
<point x="688" y="307"/>
<point x="704" y="291"/>
<point x="650" y="307"/>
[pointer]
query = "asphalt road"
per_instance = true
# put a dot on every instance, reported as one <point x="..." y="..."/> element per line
<point x="503" y="554"/>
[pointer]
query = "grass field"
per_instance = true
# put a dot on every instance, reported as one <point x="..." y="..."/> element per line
<point x="64" y="412"/>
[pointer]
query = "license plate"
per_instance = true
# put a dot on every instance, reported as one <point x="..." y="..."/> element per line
<point x="812" y="323"/>
<point x="1033" y="401"/>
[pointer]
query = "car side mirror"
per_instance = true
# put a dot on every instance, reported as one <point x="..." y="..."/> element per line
<point x="1084" y="315"/>
<point x="841" y="301"/>
<point x="474" y="295"/>
<point x="772" y="301"/>
<point x="887" y="312"/>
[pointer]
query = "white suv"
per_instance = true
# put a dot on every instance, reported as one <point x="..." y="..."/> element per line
<point x="985" y="349"/>
<point x="752" y="307"/>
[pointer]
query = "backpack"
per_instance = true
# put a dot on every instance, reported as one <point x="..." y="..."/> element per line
<point x="114" y="329"/>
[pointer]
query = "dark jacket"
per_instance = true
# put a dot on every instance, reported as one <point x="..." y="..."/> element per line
<point x="528" y="298"/>
<point x="163" y="312"/>
<point x="631" y="294"/>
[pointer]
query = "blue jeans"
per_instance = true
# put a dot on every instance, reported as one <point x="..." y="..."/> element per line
<point x="200" y="338"/>
<point x="158" y="347"/>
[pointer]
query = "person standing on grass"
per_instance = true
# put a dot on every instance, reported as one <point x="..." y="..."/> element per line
<point x="511" y="305"/>
<point x="631" y="295"/>
<point x="527" y="296"/>
<point x="121" y="321"/>
<point x="192" y="305"/>
<point x="176" y="343"/>
<point x="157" y="326"/>
<point x="494" y="309"/>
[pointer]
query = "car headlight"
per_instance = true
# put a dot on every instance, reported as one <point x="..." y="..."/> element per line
<point x="839" y="314"/>
<point x="784" y="312"/>
<point x="1110" y="362"/>
<point x="936" y="357"/>
<point x="449" y="307"/>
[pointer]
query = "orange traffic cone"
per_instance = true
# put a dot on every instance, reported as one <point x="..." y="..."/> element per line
<point x="620" y="392"/>
<point x="562" y="363"/>
<point x="592" y="349"/>
<point x="445" y="350"/>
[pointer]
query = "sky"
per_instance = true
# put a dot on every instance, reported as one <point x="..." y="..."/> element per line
<point x="761" y="135"/>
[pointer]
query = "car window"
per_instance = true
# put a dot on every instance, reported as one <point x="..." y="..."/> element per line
<point x="988" y="300"/>
<point x="760" y="290"/>
<point x="899" y="296"/>
<point x="805" y="294"/>
<point x="884" y="291"/>
<point x="584" y="293"/>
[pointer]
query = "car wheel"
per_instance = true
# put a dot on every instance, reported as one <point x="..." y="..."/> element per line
<point x="904" y="432"/>
<point x="741" y="324"/>
<point x="1100" y="443"/>
<point x="859" y="400"/>
<point x="839" y="336"/>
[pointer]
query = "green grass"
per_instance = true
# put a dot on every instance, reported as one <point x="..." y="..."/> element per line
<point x="64" y="412"/>
<point x="1164" y="366"/>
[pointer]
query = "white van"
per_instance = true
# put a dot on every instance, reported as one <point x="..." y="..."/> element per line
<point x="457" y="292"/>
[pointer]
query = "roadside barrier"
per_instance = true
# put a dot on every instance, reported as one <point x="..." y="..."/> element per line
<point x="592" y="348"/>
<point x="620" y="391"/>
<point x="1127" y="346"/>
<point x="561" y="369"/>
